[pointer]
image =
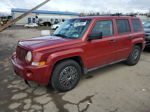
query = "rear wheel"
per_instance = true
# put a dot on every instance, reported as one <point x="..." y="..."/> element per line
<point x="134" y="57"/>
<point x="66" y="75"/>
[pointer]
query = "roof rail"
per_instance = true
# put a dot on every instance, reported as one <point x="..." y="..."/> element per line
<point x="119" y="14"/>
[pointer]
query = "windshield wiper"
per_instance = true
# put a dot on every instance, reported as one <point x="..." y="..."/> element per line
<point x="61" y="35"/>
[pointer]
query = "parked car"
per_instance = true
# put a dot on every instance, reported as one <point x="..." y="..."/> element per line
<point x="147" y="31"/>
<point x="31" y="25"/>
<point x="55" y="26"/>
<point x="79" y="46"/>
<point x="46" y="21"/>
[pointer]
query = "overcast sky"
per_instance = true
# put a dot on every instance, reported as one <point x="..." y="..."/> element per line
<point x="124" y="6"/>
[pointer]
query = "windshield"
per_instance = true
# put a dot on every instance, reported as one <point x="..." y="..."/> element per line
<point x="73" y="28"/>
<point x="147" y="24"/>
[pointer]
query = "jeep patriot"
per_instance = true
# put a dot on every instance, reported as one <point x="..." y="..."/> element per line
<point x="78" y="46"/>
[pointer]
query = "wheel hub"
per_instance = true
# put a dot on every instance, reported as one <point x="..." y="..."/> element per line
<point x="68" y="76"/>
<point x="135" y="54"/>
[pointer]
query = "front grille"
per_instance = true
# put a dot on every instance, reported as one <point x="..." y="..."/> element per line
<point x="21" y="53"/>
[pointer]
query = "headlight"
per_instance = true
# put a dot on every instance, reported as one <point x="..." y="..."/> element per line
<point x="29" y="56"/>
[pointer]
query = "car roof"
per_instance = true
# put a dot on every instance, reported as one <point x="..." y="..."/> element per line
<point x="108" y="17"/>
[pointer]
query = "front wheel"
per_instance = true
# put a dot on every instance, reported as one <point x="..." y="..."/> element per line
<point x="66" y="75"/>
<point x="134" y="57"/>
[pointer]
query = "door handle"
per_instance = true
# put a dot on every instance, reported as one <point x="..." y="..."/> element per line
<point x="112" y="41"/>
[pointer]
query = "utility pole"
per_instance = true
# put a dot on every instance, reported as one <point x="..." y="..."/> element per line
<point x="21" y="16"/>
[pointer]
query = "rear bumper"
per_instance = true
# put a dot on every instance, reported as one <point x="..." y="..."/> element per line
<point x="39" y="74"/>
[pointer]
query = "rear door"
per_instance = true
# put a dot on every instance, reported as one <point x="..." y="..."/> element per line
<point x="124" y="38"/>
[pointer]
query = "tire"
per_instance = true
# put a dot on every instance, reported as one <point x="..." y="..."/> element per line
<point x="147" y="47"/>
<point x="56" y="28"/>
<point x="66" y="75"/>
<point x="134" y="57"/>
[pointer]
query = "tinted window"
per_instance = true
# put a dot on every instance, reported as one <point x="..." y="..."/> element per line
<point x="104" y="27"/>
<point x="123" y="26"/>
<point x="136" y="25"/>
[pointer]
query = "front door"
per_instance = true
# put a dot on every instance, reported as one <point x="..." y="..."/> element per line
<point x="99" y="51"/>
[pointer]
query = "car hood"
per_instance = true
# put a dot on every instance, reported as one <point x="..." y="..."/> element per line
<point x="46" y="42"/>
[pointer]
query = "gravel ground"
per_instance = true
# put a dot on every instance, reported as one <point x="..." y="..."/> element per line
<point x="116" y="88"/>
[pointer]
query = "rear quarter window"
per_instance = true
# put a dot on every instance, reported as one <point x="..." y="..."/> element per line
<point x="123" y="26"/>
<point x="136" y="25"/>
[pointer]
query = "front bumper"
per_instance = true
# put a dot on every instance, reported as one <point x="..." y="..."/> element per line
<point x="39" y="74"/>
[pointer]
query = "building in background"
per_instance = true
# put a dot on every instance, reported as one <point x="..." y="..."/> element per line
<point x="42" y="17"/>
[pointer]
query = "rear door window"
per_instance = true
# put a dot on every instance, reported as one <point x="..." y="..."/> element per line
<point x="123" y="26"/>
<point x="105" y="27"/>
<point x="136" y="25"/>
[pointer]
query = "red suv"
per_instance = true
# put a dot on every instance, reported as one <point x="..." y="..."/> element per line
<point x="78" y="46"/>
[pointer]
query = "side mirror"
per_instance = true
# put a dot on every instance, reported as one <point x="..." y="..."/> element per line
<point x="94" y="36"/>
